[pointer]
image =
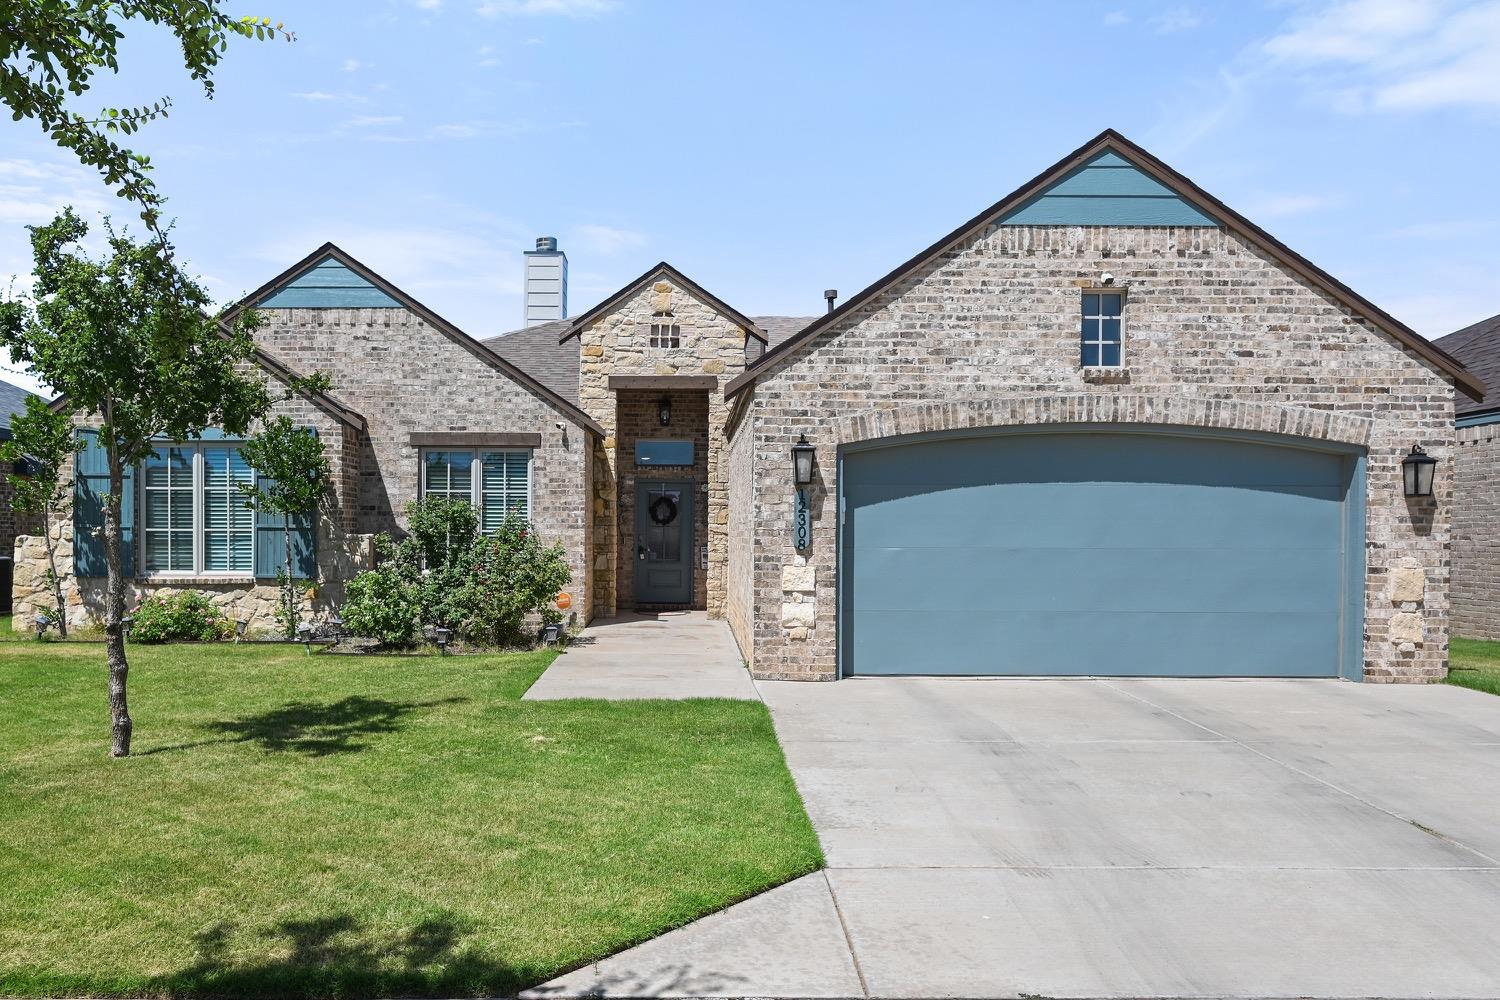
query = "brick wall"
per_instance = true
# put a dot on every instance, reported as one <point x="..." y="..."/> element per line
<point x="1476" y="533"/>
<point x="406" y="377"/>
<point x="1209" y="319"/>
<point x="740" y="597"/>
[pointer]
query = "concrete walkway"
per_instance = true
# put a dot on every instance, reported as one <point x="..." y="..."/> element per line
<point x="671" y="654"/>
<point x="1091" y="838"/>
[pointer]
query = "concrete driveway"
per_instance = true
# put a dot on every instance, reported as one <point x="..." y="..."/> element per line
<point x="1155" y="838"/>
<point x="1090" y="838"/>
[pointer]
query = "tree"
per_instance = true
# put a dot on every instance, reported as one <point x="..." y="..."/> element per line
<point x="128" y="341"/>
<point x="292" y="476"/>
<point x="41" y="445"/>
<point x="50" y="51"/>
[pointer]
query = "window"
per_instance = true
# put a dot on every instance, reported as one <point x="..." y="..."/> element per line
<point x="1103" y="329"/>
<point x="195" y="517"/>
<point x="497" y="483"/>
<point x="664" y="330"/>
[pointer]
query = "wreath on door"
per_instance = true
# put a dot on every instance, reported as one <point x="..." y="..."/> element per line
<point x="663" y="510"/>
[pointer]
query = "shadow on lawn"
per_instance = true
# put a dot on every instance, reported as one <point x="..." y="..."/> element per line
<point x="336" y="956"/>
<point x="316" y="730"/>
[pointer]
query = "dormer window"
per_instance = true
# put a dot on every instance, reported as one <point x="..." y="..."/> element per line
<point x="664" y="330"/>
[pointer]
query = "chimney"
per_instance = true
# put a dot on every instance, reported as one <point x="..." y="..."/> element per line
<point x="832" y="295"/>
<point x="546" y="282"/>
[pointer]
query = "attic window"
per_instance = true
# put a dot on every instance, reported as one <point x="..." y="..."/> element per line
<point x="664" y="330"/>
<point x="1102" y="340"/>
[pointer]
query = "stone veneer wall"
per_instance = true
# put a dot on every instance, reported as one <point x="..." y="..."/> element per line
<point x="618" y="344"/>
<point x="406" y="377"/>
<point x="341" y="551"/>
<point x="1476" y="533"/>
<point x="637" y="418"/>
<point x="1209" y="320"/>
<point x="740" y="603"/>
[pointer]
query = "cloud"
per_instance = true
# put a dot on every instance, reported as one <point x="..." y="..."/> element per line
<point x="352" y="65"/>
<point x="33" y="192"/>
<point x="1283" y="205"/>
<point x="1174" y="20"/>
<point x="1115" y="18"/>
<point x="604" y="240"/>
<point x="1368" y="56"/>
<point x="545" y="8"/>
<point x="487" y="56"/>
<point x="325" y="97"/>
<point x="372" y="121"/>
<point x="455" y="131"/>
<point x="429" y="4"/>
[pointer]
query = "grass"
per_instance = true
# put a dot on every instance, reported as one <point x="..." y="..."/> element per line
<point x="1474" y="663"/>
<point x="353" y="826"/>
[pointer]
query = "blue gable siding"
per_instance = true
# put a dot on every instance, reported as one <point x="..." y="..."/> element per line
<point x="1107" y="191"/>
<point x="328" y="285"/>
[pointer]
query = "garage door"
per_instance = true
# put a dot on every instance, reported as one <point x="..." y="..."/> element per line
<point x="1098" y="553"/>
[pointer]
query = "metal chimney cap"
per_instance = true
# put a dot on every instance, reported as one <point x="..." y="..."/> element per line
<point x="546" y="243"/>
<point x="830" y="294"/>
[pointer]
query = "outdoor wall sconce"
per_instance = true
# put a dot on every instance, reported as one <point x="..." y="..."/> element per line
<point x="664" y="410"/>
<point x="1416" y="472"/>
<point x="802" y="461"/>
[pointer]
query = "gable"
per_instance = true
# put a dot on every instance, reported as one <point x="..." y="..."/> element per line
<point x="1106" y="190"/>
<point x="328" y="284"/>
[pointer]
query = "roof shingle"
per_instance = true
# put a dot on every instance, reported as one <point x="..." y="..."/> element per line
<point x="1477" y="347"/>
<point x="12" y="401"/>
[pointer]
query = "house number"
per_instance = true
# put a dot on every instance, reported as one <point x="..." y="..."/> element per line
<point x="802" y="523"/>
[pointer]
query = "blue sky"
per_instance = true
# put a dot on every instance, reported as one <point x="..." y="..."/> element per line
<point x="771" y="150"/>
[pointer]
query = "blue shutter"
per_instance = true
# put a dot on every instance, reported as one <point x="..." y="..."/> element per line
<point x="270" y="542"/>
<point x="90" y="484"/>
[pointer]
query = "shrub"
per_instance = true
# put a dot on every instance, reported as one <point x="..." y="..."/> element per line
<point x="447" y="575"/>
<point x="186" y="616"/>
<point x="382" y="604"/>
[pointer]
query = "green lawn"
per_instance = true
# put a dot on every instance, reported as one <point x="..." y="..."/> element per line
<point x="346" y="826"/>
<point x="1474" y="663"/>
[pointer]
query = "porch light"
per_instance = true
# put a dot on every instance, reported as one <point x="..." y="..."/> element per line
<point x="664" y="410"/>
<point x="802" y="461"/>
<point x="1416" y="472"/>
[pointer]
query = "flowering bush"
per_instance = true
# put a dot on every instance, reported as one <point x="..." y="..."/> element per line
<point x="182" y="617"/>
<point x="483" y="587"/>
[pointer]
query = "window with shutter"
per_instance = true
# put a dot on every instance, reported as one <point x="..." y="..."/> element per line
<point x="497" y="483"/>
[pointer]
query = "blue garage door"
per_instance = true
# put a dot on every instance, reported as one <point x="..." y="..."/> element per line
<point x="1099" y="553"/>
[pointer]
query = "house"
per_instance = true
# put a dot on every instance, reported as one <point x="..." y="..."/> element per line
<point x="12" y="401"/>
<point x="1476" y="487"/>
<point x="1107" y="426"/>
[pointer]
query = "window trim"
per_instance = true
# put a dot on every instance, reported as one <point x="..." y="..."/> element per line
<point x="198" y="571"/>
<point x="476" y="475"/>
<point x="1084" y="317"/>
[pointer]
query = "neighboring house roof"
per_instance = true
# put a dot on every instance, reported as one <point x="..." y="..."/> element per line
<point x="12" y="401"/>
<point x="554" y="362"/>
<point x="1029" y="193"/>
<point x="539" y="351"/>
<point x="329" y="251"/>
<point x="1478" y="347"/>
<point x="664" y="270"/>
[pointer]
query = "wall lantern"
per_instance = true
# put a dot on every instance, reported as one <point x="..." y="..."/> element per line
<point x="802" y="461"/>
<point x="1416" y="472"/>
<point x="664" y="410"/>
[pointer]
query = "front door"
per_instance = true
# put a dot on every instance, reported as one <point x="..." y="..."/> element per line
<point x="663" y="543"/>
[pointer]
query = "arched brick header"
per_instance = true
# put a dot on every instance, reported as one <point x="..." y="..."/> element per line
<point x="1080" y="408"/>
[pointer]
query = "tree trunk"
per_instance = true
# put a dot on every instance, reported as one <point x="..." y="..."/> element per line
<point x="288" y="595"/>
<point x="54" y="578"/>
<point x="114" y="610"/>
